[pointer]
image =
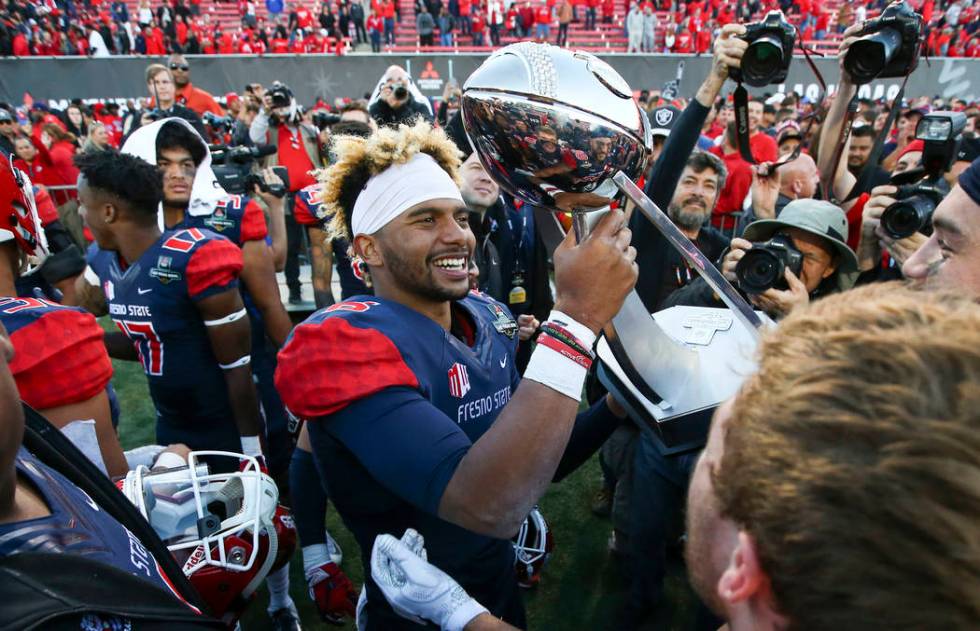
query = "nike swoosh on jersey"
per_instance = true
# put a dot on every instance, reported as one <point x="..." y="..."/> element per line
<point x="503" y="362"/>
<point x="141" y="291"/>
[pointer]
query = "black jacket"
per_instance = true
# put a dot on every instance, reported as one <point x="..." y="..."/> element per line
<point x="407" y="114"/>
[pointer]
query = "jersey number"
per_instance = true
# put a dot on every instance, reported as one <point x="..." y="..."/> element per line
<point x="13" y="305"/>
<point x="147" y="343"/>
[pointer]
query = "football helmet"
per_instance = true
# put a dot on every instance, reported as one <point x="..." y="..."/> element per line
<point x="533" y="544"/>
<point x="222" y="527"/>
<point x="19" y="218"/>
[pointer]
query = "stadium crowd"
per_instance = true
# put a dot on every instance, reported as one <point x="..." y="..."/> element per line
<point x="437" y="396"/>
<point x="101" y="28"/>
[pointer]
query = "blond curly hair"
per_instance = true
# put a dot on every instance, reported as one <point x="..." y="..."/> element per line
<point x="358" y="159"/>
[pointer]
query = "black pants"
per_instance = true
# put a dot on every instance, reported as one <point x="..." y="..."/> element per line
<point x="359" y="31"/>
<point x="294" y="245"/>
<point x="562" y="34"/>
<point x="425" y="40"/>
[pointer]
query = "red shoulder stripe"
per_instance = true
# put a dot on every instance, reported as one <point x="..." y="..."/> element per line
<point x="253" y="223"/>
<point x="319" y="375"/>
<point x="217" y="263"/>
<point x="60" y="359"/>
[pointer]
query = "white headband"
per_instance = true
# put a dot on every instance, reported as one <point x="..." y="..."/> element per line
<point x="398" y="188"/>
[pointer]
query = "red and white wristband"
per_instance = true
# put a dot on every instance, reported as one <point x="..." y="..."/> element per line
<point x="557" y="364"/>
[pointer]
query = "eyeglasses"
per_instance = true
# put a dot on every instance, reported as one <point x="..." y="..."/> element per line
<point x="6" y="122"/>
<point x="183" y="67"/>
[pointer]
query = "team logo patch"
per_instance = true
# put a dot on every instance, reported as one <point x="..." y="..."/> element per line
<point x="459" y="381"/>
<point x="503" y="322"/>
<point x="219" y="221"/>
<point x="664" y="117"/>
<point x="162" y="271"/>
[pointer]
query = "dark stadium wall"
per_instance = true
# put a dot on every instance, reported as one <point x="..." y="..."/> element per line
<point x="354" y="75"/>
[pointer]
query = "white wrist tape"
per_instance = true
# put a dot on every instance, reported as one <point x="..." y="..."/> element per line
<point x="251" y="446"/>
<point x="462" y="616"/>
<point x="550" y="368"/>
<point x="169" y="460"/>
<point x="241" y="361"/>
<point x="143" y="455"/>
<point x="228" y="319"/>
<point x="582" y="332"/>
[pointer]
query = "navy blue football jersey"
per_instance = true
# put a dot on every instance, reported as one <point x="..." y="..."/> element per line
<point x="394" y="402"/>
<point x="309" y="211"/>
<point x="153" y="301"/>
<point x="77" y="526"/>
<point x="237" y="218"/>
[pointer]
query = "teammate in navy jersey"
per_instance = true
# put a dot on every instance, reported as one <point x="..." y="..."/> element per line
<point x="416" y="413"/>
<point x="61" y="366"/>
<point x="175" y="297"/>
<point x="191" y="199"/>
<point x="41" y="511"/>
<point x="309" y="212"/>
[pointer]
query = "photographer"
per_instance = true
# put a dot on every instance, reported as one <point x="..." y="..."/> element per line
<point x="395" y="100"/>
<point x="160" y="84"/>
<point x="813" y="233"/>
<point x="298" y="148"/>
<point x="652" y="249"/>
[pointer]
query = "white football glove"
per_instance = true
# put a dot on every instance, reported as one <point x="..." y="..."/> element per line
<point x="416" y="589"/>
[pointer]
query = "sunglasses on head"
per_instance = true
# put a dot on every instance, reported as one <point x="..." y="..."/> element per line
<point x="183" y="67"/>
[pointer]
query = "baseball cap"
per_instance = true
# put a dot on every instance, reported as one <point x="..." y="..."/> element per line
<point x="788" y="129"/>
<point x="663" y="119"/>
<point x="5" y="115"/>
<point x="817" y="217"/>
<point x="969" y="150"/>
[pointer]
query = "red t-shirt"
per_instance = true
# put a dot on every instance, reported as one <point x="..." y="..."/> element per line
<point x="293" y="156"/>
<point x="737" y="187"/>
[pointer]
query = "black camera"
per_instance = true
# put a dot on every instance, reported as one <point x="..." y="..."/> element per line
<point x="941" y="134"/>
<point x="218" y="123"/>
<point x="888" y="47"/>
<point x="155" y="114"/>
<point x="766" y="60"/>
<point x="400" y="90"/>
<point x="322" y="119"/>
<point x="913" y="211"/>
<point x="281" y="95"/>
<point x="764" y="266"/>
<point x="232" y="168"/>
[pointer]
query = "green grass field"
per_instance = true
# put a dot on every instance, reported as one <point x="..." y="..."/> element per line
<point x="582" y="588"/>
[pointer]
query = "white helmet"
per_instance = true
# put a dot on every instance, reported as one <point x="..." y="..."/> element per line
<point x="219" y="526"/>
<point x="532" y="548"/>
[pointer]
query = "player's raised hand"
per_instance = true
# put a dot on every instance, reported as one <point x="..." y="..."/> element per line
<point x="593" y="277"/>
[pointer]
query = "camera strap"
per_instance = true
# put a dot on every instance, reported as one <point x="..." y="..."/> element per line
<point x="741" y="103"/>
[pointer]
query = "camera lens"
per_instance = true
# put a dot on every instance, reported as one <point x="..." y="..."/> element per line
<point x="905" y="218"/>
<point x="759" y="270"/>
<point x="762" y="61"/>
<point x="401" y="92"/>
<point x="868" y="56"/>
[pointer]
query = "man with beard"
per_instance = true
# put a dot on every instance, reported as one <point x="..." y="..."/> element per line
<point x="694" y="199"/>
<point x="788" y="526"/>
<point x="482" y="443"/>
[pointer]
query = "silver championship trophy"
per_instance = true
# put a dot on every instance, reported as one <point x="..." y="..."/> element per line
<point x="560" y="131"/>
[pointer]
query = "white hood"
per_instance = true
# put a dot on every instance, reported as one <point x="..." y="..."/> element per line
<point x="412" y="88"/>
<point x="206" y="192"/>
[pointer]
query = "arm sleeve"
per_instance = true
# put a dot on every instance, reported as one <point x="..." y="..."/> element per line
<point x="317" y="374"/>
<point x="258" y="129"/>
<point x="253" y="223"/>
<point x="60" y="359"/>
<point x="407" y="444"/>
<point x="651" y="246"/>
<point x="592" y="428"/>
<point x="213" y="268"/>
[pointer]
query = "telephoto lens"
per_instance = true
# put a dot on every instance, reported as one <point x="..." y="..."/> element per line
<point x="889" y="46"/>
<point x="401" y="92"/>
<point x="868" y="56"/>
<point x="912" y="212"/>
<point x="764" y="266"/>
<point x="770" y="51"/>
